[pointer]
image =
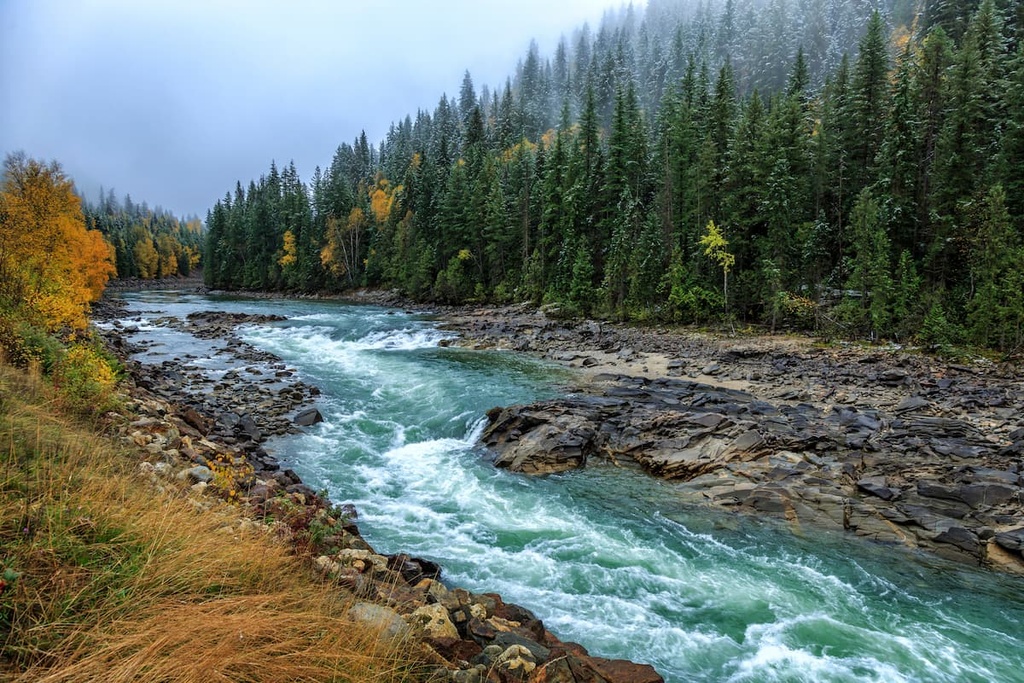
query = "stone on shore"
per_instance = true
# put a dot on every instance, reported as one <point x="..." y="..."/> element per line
<point x="384" y="619"/>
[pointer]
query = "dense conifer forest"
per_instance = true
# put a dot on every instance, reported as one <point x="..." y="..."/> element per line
<point x="849" y="167"/>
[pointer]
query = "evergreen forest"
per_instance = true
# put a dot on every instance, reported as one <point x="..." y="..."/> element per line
<point x="852" y="168"/>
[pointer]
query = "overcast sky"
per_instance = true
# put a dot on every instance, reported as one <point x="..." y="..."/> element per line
<point x="173" y="101"/>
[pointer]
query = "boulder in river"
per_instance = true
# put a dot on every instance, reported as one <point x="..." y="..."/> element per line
<point x="308" y="417"/>
<point x="539" y="440"/>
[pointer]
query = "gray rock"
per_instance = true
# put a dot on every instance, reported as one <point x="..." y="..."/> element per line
<point x="384" y="619"/>
<point x="988" y="474"/>
<point x="960" y="537"/>
<point x="308" y="417"/>
<point x="473" y="675"/>
<point x="877" y="486"/>
<point x="229" y="419"/>
<point x="933" y="489"/>
<point x="1012" y="539"/>
<point x="893" y="377"/>
<point x="927" y="518"/>
<point x="488" y="655"/>
<point x="911" y="404"/>
<point x="247" y="426"/>
<point x="507" y="639"/>
<point x="197" y="474"/>
<point x="983" y="495"/>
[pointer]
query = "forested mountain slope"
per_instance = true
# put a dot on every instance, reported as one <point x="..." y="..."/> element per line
<point x="848" y="166"/>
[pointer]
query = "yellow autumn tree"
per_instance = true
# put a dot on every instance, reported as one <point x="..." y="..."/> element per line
<point x="51" y="265"/>
<point x="716" y="248"/>
<point x="340" y="254"/>
<point x="147" y="258"/>
<point x="289" y="252"/>
<point x="167" y="255"/>
<point x="382" y="199"/>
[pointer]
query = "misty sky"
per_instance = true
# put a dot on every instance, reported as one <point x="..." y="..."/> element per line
<point x="173" y="101"/>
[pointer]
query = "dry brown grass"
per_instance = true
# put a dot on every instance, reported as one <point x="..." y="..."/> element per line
<point x="123" y="582"/>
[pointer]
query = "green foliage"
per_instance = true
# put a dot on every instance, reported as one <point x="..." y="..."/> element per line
<point x="796" y="312"/>
<point x="582" y="293"/>
<point x="689" y="301"/>
<point x="695" y="303"/>
<point x="85" y="381"/>
<point x="906" y="313"/>
<point x="937" y="332"/>
<point x="995" y="307"/>
<point x="870" y="282"/>
<point x="716" y="249"/>
<point x="454" y="283"/>
<point x="23" y="344"/>
<point x="148" y="243"/>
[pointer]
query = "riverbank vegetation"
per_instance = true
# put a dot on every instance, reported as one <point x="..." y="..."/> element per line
<point x="860" y="171"/>
<point x="106" y="576"/>
<point x="56" y="258"/>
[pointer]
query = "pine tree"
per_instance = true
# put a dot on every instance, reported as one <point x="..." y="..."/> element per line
<point x="929" y="90"/>
<point x="1011" y="152"/>
<point x="899" y="157"/>
<point x="996" y="307"/>
<point x="869" y="100"/>
<point x="467" y="100"/>
<point x="870" y="278"/>
<point x="799" y="78"/>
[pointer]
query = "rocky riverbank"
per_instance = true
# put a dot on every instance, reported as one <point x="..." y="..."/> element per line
<point x="209" y="434"/>
<point x="891" y="445"/>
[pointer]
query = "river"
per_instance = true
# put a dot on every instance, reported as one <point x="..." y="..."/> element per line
<point x="606" y="557"/>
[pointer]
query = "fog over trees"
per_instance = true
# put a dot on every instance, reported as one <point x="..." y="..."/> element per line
<point x="848" y="167"/>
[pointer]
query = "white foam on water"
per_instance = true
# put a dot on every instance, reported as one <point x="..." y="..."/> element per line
<point x="314" y="345"/>
<point x="140" y="324"/>
<point x="318" y="317"/>
<point x="406" y="339"/>
<point x="772" y="656"/>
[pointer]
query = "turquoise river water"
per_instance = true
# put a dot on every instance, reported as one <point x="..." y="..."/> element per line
<point x="607" y="558"/>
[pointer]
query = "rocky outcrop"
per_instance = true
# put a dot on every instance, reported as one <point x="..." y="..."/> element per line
<point x="929" y="482"/>
<point x="891" y="446"/>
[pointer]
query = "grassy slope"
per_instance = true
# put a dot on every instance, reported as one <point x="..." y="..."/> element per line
<point x="122" y="581"/>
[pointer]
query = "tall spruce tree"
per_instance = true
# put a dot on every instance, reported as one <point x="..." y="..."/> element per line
<point x="869" y="101"/>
